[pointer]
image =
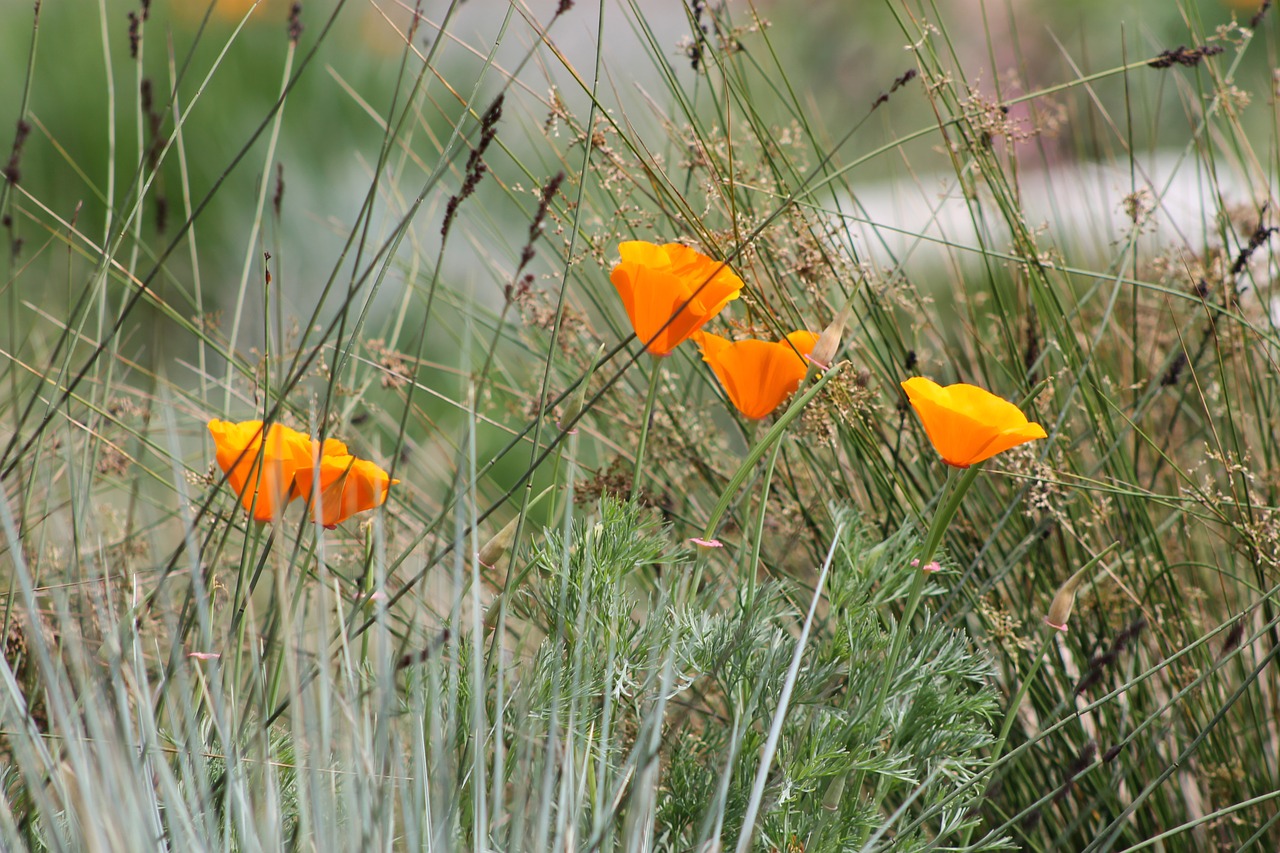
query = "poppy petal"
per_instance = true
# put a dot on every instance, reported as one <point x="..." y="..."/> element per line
<point x="348" y="485"/>
<point x="670" y="291"/>
<point x="758" y="375"/>
<point x="967" y="424"/>
<point x="260" y="468"/>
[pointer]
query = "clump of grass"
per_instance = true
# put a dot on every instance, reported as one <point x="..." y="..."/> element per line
<point x="175" y="671"/>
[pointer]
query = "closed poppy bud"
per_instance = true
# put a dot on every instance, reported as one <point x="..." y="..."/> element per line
<point x="496" y="548"/>
<point x="262" y="472"/>
<point x="835" y="792"/>
<point x="828" y="345"/>
<point x="967" y="424"/>
<point x="758" y="375"/>
<point x="579" y="398"/>
<point x="1064" y="600"/>
<point x="670" y="291"/>
<point x="347" y="485"/>
<point x="1060" y="608"/>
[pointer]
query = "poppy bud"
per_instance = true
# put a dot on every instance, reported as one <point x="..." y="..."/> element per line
<point x="1063" y="602"/>
<point x="579" y="399"/>
<point x="828" y="345"/>
<point x="496" y="548"/>
<point x="1065" y="598"/>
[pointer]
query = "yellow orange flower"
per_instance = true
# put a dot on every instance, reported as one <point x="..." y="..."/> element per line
<point x="347" y="485"/>
<point x="758" y="375"/>
<point x="261" y="472"/>
<point x="654" y="282"/>
<point x="968" y="424"/>
<point x="189" y="12"/>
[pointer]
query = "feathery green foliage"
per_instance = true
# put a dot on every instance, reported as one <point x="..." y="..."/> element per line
<point x="396" y="227"/>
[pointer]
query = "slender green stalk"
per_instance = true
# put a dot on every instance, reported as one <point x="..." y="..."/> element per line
<point x="244" y="589"/>
<point x="752" y="567"/>
<point x="1050" y="632"/>
<point x="958" y="486"/>
<point x="757" y="452"/>
<point x="646" y="418"/>
<point x="775" y="729"/>
<point x="251" y="244"/>
<point x="730" y="491"/>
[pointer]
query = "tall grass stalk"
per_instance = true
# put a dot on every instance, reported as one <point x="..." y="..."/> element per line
<point x="1075" y="213"/>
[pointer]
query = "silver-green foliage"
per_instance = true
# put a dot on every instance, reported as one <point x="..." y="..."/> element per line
<point x="622" y="709"/>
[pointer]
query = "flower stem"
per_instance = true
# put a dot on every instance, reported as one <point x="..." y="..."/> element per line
<point x="943" y="519"/>
<point x="753" y="456"/>
<point x="644" y="429"/>
<point x="931" y="543"/>
<point x="756" y="453"/>
<point x="1008" y="723"/>
<point x="1049" y="632"/>
<point x="243" y="589"/>
<point x="764" y="508"/>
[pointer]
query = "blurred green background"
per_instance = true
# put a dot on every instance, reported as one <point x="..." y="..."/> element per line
<point x="839" y="57"/>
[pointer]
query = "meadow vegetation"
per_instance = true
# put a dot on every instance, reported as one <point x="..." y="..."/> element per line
<point x="417" y="439"/>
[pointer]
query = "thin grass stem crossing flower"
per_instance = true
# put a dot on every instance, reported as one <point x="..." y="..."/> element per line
<point x="758" y="375"/>
<point x="269" y="475"/>
<point x="967" y="424"/>
<point x="261" y="472"/>
<point x="670" y="291"/>
<point x="347" y="485"/>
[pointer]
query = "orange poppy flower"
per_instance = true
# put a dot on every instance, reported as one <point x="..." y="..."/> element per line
<point x="263" y="476"/>
<point x="347" y="485"/>
<point x="758" y="375"/>
<point x="227" y="10"/>
<point x="967" y="424"/>
<point x="654" y="282"/>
